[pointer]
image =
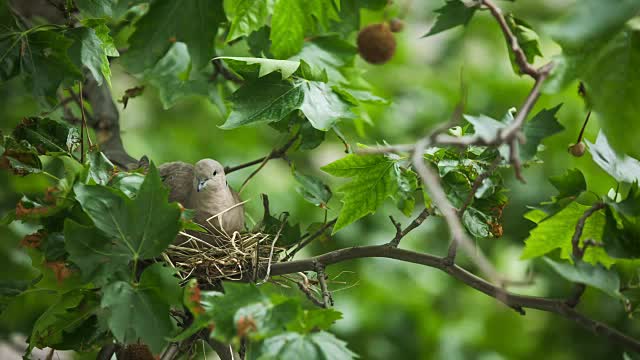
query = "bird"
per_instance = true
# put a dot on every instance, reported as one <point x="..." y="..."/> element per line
<point x="204" y="188"/>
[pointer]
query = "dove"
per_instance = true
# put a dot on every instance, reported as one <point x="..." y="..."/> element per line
<point x="204" y="188"/>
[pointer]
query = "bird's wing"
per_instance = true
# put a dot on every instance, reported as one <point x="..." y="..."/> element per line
<point x="178" y="176"/>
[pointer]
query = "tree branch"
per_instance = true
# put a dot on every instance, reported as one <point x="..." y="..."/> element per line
<point x="274" y="154"/>
<point x="512" y="40"/>
<point x="401" y="233"/>
<point x="515" y="301"/>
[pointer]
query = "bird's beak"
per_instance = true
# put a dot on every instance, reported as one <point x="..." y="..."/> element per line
<point x="202" y="184"/>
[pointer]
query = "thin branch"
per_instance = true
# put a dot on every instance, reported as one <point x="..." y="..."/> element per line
<point x="274" y="154"/>
<point x="520" y="56"/>
<point x="514" y="301"/>
<point x="305" y="290"/>
<point x="327" y="301"/>
<point x="309" y="239"/>
<point x="458" y="233"/>
<point x="401" y="233"/>
<point x="578" y="252"/>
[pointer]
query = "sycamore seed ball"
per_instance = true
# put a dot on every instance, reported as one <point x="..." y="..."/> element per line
<point x="396" y="25"/>
<point x="578" y="149"/>
<point x="376" y="43"/>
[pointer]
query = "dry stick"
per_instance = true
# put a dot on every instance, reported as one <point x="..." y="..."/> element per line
<point x="578" y="252"/>
<point x="400" y="233"/>
<point x="515" y="301"/>
<point x="458" y="234"/>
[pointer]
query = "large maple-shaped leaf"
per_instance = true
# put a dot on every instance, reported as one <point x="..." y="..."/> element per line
<point x="316" y="346"/>
<point x="42" y="56"/>
<point x="270" y="99"/>
<point x="139" y="313"/>
<point x="542" y="125"/>
<point x="246" y="16"/>
<point x="292" y="19"/>
<point x="140" y="228"/>
<point x="555" y="232"/>
<point x="622" y="168"/>
<point x="47" y="135"/>
<point x="590" y="20"/>
<point x="259" y="67"/>
<point x="592" y="275"/>
<point x="171" y="76"/>
<point x="91" y="51"/>
<point x="608" y="66"/>
<point x="66" y="324"/>
<point x="193" y="22"/>
<point x="374" y="178"/>
<point x="453" y="13"/>
<point x="97" y="257"/>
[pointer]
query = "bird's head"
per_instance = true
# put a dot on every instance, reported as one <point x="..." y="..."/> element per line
<point x="209" y="174"/>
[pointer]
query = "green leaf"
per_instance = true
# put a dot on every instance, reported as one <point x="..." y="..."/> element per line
<point x="605" y="67"/>
<point x="114" y="9"/>
<point x="90" y="51"/>
<point x="542" y="125"/>
<point x="316" y="319"/>
<point x="264" y="101"/>
<point x="140" y="228"/>
<point x="63" y="325"/>
<point x="629" y="206"/>
<point x="292" y="19"/>
<point x="288" y="27"/>
<point x="101" y="169"/>
<point x="223" y="308"/>
<point x="591" y="275"/>
<point x="571" y="184"/>
<point x="453" y="13"/>
<point x="476" y="223"/>
<point x="47" y="64"/>
<point x="312" y="189"/>
<point x="556" y="232"/>
<point x="194" y="23"/>
<point x="485" y="127"/>
<point x="128" y="183"/>
<point x="621" y="234"/>
<point x="322" y="106"/>
<point x="317" y="346"/>
<point x="171" y="76"/>
<point x="625" y="168"/>
<point x="162" y="280"/>
<point x="331" y="53"/>
<point x="19" y="157"/>
<point x="270" y="99"/>
<point x="47" y="135"/>
<point x="374" y="179"/>
<point x="249" y="66"/>
<point x="527" y="39"/>
<point x="591" y="20"/>
<point x="136" y="314"/>
<point x="246" y="17"/>
<point x="98" y="259"/>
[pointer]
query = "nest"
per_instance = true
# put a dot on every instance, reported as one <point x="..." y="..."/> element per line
<point x="216" y="255"/>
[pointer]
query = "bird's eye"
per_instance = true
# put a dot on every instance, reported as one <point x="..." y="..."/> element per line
<point x="215" y="172"/>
